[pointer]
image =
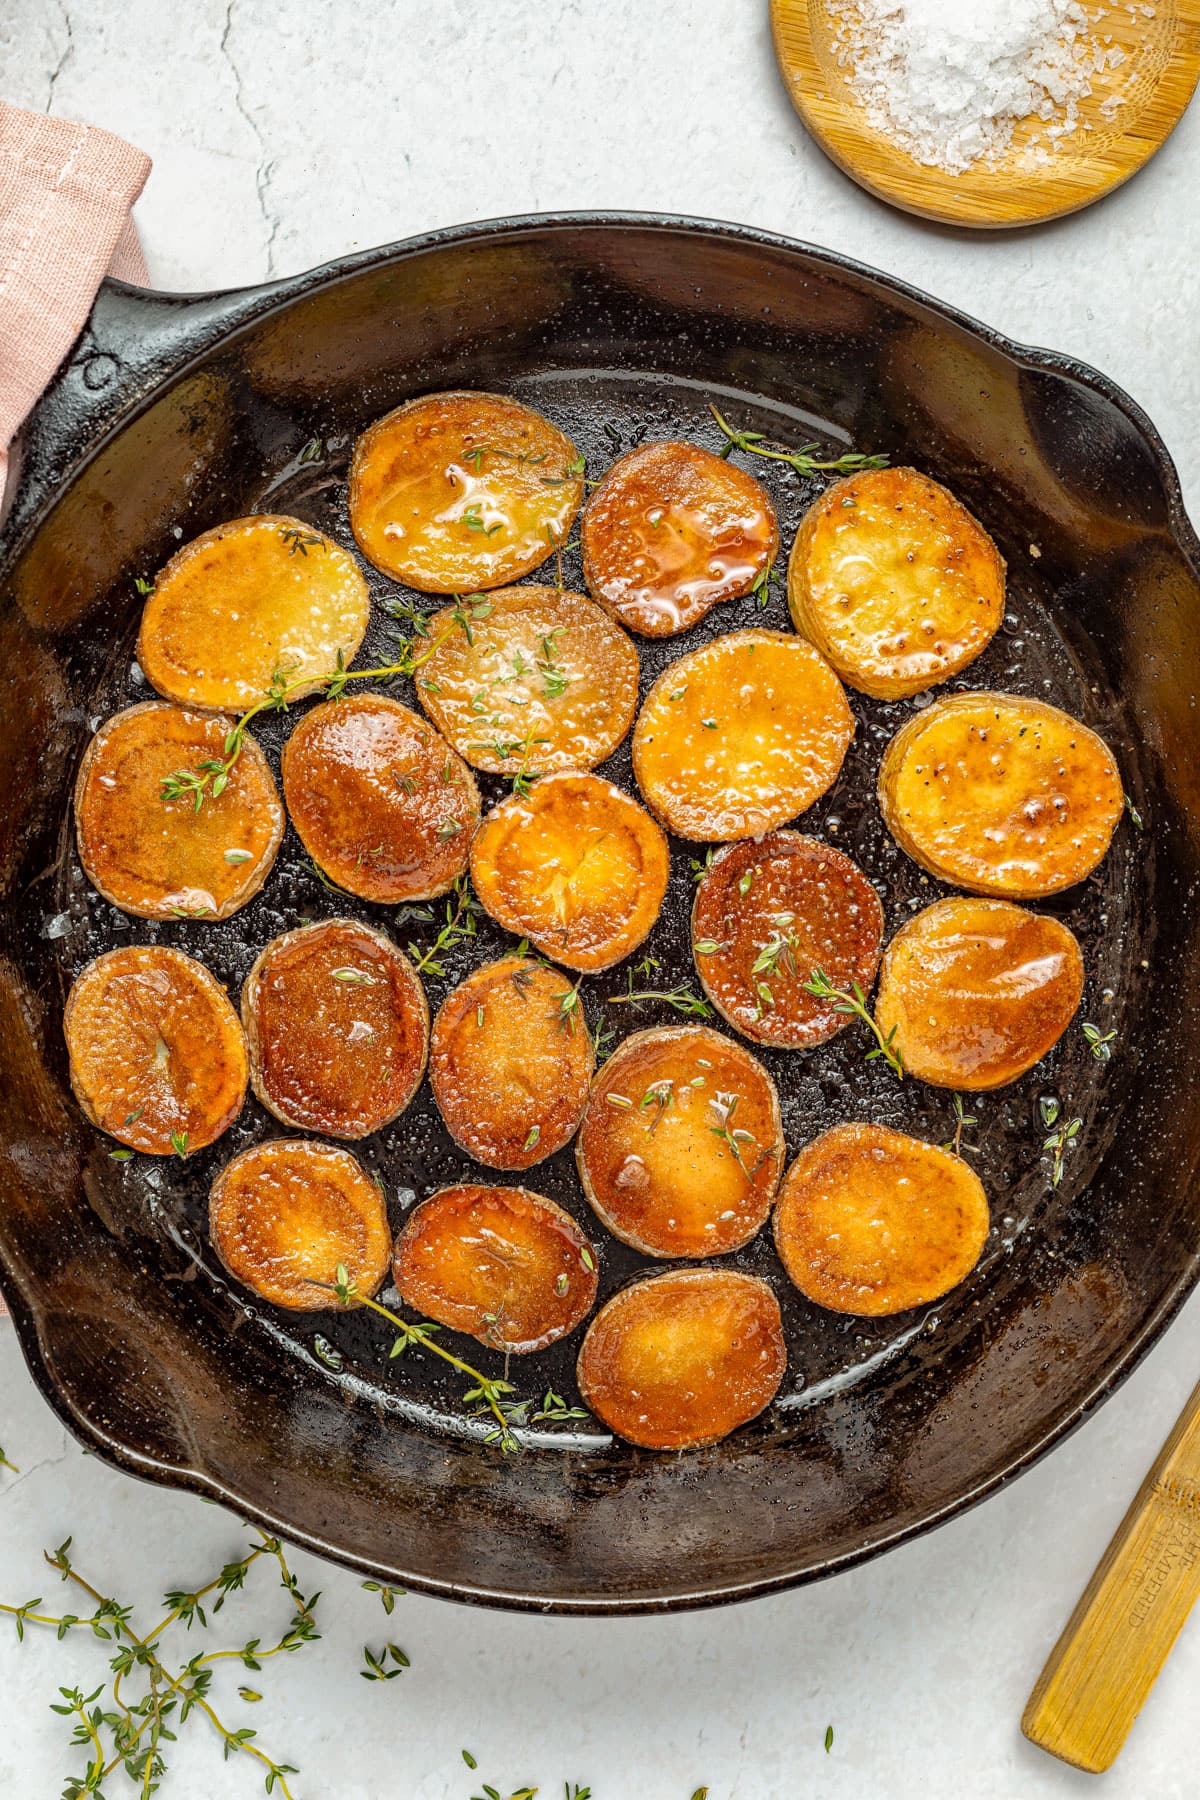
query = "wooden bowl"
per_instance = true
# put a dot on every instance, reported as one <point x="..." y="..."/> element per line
<point x="1157" y="81"/>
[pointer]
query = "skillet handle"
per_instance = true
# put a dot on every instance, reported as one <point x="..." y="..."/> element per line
<point x="1118" y="1638"/>
<point x="133" y="340"/>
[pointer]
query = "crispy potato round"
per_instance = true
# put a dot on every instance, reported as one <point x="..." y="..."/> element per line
<point x="542" y="680"/>
<point x="977" y="991"/>
<point x="681" y="1360"/>
<point x="510" y="1063"/>
<point x="164" y="859"/>
<point x="894" y="582"/>
<point x="671" y="531"/>
<point x="284" y="1214"/>
<point x="576" y="866"/>
<point x="681" y="1148"/>
<point x="337" y="1028"/>
<point x="382" y="804"/>
<point x="503" y="1264"/>
<point x="1001" y="795"/>
<point x="740" y="736"/>
<point x="872" y="1222"/>
<point x="766" y="916"/>
<point x="246" y="599"/>
<point x="156" y="1053"/>
<point x="461" y="491"/>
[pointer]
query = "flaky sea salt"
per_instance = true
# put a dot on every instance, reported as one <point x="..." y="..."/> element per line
<point x="949" y="80"/>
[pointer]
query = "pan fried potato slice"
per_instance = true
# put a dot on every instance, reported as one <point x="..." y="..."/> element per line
<point x="894" y="582"/>
<point x="337" y="1027"/>
<point x="246" y="599"/>
<point x="977" y="991"/>
<point x="1001" y="795"/>
<point x="766" y="916"/>
<point x="681" y="1360"/>
<point x="166" y="859"/>
<point x="510" y="1063"/>
<point x="157" y="1056"/>
<point x="671" y="531"/>
<point x="872" y="1222"/>
<point x="575" y="866"/>
<point x="503" y="1264"/>
<point x="539" y="680"/>
<point x="740" y="736"/>
<point x="681" y="1149"/>
<point x="284" y="1214"/>
<point x="456" y="492"/>
<point x="382" y="804"/>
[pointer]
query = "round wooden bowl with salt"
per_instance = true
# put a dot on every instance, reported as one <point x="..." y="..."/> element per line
<point x="1044" y="171"/>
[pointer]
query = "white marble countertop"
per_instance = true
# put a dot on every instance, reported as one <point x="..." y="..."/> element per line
<point x="284" y="132"/>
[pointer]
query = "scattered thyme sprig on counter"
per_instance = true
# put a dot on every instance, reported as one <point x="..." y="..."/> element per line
<point x="805" y="461"/>
<point x="130" y="1734"/>
<point x="852" y="1001"/>
<point x="210" y="778"/>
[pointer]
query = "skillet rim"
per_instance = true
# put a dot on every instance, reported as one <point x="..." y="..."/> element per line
<point x="51" y="452"/>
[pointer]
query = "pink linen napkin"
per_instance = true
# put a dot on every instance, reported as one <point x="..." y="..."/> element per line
<point x="65" y="197"/>
<point x="66" y="191"/>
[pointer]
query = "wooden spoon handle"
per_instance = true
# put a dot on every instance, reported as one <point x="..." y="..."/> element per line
<point x="1121" y="1633"/>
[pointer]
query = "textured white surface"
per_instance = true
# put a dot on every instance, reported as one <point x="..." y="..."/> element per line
<point x="285" y="132"/>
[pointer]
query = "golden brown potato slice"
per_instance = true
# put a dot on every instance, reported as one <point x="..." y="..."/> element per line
<point x="382" y="804"/>
<point x="670" y="532"/>
<point x="503" y="1264"/>
<point x="244" y="600"/>
<point x="575" y="866"/>
<point x="156" y="1051"/>
<point x="165" y="859"/>
<point x="740" y="736"/>
<point x="681" y="1360"/>
<point x="872" y="1222"/>
<point x="510" y="1063"/>
<point x="895" y="582"/>
<point x="456" y="492"/>
<point x="539" y="680"/>
<point x="681" y="1148"/>
<point x="1001" y="795"/>
<point x="337" y="1027"/>
<point x="766" y="915"/>
<point x="284" y="1214"/>
<point x="977" y="991"/>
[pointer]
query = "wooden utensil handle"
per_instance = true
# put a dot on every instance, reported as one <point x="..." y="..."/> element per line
<point x="1121" y="1633"/>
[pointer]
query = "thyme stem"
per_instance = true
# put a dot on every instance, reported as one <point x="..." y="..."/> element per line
<point x="804" y="461"/>
<point x="852" y="1001"/>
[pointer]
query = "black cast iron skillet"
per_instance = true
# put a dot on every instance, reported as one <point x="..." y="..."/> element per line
<point x="175" y="413"/>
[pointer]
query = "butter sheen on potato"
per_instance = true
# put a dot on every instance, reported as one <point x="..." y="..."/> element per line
<point x="977" y="991"/>
<point x="1001" y="795"/>
<point x="894" y="582"/>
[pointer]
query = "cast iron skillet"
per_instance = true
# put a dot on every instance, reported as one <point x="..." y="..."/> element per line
<point x="175" y="413"/>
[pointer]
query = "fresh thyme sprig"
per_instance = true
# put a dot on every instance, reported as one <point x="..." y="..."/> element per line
<point x="682" y="999"/>
<point x="962" y="1122"/>
<point x="461" y="913"/>
<point x="137" y="1729"/>
<point x="5" y="1464"/>
<point x="725" y="1106"/>
<point x="805" y="461"/>
<point x="1099" y="1042"/>
<point x="1063" y="1133"/>
<point x="210" y="777"/>
<point x="852" y="1001"/>
<point x="421" y="1336"/>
